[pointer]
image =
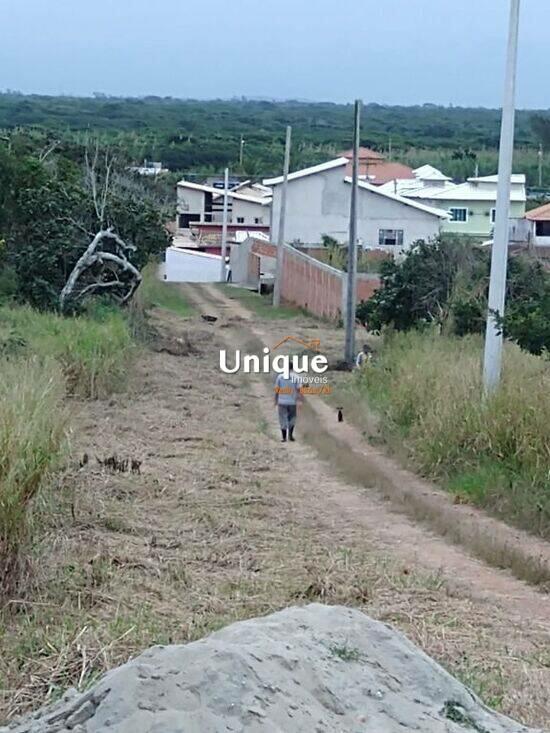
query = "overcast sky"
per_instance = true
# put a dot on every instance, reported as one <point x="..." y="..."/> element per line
<point x="386" y="51"/>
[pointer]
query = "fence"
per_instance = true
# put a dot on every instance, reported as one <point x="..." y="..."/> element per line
<point x="308" y="283"/>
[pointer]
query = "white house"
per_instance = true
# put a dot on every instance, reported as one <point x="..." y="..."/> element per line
<point x="198" y="204"/>
<point x="318" y="202"/>
<point x="471" y="205"/>
<point x="540" y="225"/>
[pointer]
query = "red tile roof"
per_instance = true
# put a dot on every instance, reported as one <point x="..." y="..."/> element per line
<point x="376" y="168"/>
<point x="540" y="214"/>
<point x="364" y="154"/>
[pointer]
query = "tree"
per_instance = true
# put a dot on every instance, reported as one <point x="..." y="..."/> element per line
<point x="54" y="201"/>
<point x="445" y="282"/>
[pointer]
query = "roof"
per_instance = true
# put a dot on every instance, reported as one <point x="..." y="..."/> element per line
<point x="264" y="201"/>
<point x="336" y="163"/>
<point x="516" y="178"/>
<point x="400" y="199"/>
<point x="429" y="173"/>
<point x="364" y="154"/>
<point x="468" y="191"/>
<point x="383" y="171"/>
<point x="542" y="213"/>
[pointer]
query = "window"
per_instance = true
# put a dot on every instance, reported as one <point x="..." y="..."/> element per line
<point x="459" y="215"/>
<point x="258" y="220"/>
<point x="543" y="228"/>
<point x="240" y="220"/>
<point x="493" y="216"/>
<point x="390" y="237"/>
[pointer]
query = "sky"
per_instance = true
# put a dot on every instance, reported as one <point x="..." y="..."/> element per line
<point x="385" y="51"/>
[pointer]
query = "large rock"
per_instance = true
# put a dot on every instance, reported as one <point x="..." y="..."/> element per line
<point x="315" y="668"/>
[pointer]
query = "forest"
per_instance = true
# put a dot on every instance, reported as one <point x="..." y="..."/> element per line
<point x="202" y="137"/>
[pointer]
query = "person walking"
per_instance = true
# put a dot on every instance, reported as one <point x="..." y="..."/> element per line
<point x="287" y="397"/>
<point x="363" y="357"/>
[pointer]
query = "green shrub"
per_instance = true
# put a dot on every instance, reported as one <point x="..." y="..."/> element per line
<point x="428" y="390"/>
<point x="93" y="351"/>
<point x="32" y="425"/>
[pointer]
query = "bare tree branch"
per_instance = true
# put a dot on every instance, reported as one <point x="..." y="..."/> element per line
<point x="93" y="257"/>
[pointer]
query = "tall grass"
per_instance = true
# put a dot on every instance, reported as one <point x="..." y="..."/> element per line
<point x="156" y="293"/>
<point x="495" y="453"/>
<point x="32" y="423"/>
<point x="92" y="350"/>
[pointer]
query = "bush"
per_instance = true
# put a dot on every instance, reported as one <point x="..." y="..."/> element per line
<point x="428" y="390"/>
<point x="445" y="282"/>
<point x="93" y="352"/>
<point x="31" y="438"/>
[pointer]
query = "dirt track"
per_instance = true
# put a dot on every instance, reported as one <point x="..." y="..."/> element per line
<point x="370" y="466"/>
<point x="225" y="523"/>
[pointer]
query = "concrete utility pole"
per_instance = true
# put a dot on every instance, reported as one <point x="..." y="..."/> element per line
<point x="352" y="244"/>
<point x="540" y="165"/>
<point x="223" y="275"/>
<point x="492" y="364"/>
<point x="282" y="217"/>
<point x="241" y="152"/>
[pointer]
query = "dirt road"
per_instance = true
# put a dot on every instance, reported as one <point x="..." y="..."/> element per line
<point x="224" y="522"/>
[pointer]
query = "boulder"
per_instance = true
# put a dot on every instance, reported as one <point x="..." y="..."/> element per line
<point x="324" y="669"/>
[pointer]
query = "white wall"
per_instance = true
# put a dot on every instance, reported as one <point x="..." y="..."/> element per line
<point x="250" y="211"/>
<point x="190" y="202"/>
<point x="184" y="266"/>
<point x="319" y="204"/>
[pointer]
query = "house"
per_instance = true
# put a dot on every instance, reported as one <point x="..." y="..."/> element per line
<point x="539" y="220"/>
<point x="318" y="203"/>
<point x="200" y="208"/>
<point x="471" y="205"/>
<point x="375" y="169"/>
<point x="149" y="168"/>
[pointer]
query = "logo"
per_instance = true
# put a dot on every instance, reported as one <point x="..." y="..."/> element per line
<point x="307" y="368"/>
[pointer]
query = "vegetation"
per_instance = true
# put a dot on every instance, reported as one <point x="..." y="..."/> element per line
<point x="445" y="284"/>
<point x="493" y="453"/>
<point x="261" y="305"/>
<point x="204" y="136"/>
<point x="154" y="293"/>
<point x="49" y="213"/>
<point x="336" y="255"/>
<point x="32" y="422"/>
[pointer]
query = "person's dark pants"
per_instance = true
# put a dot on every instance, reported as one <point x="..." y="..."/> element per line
<point x="287" y="416"/>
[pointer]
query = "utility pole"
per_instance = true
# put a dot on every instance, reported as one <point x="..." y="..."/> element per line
<point x="282" y="217"/>
<point x="540" y="165"/>
<point x="492" y="362"/>
<point x="241" y="152"/>
<point x="223" y="275"/>
<point x="352" y="244"/>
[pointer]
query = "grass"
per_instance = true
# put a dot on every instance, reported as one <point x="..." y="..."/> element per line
<point x="159" y="294"/>
<point x="261" y="305"/>
<point x="93" y="350"/>
<point x="427" y="391"/>
<point x="32" y="423"/>
<point x="233" y="538"/>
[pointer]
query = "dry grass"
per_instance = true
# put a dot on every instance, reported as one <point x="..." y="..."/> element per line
<point x="32" y="423"/>
<point x="212" y="532"/>
<point x="495" y="453"/>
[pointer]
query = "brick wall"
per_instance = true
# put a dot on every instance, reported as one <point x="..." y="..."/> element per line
<point x="312" y="285"/>
<point x="308" y="283"/>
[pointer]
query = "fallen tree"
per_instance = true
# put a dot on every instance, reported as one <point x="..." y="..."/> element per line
<point x="104" y="267"/>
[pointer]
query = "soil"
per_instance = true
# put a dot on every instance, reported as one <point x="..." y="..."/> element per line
<point x="223" y="522"/>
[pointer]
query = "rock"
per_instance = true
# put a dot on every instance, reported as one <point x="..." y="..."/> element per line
<point x="314" y="668"/>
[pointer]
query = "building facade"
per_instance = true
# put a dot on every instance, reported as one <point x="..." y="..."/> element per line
<point x="318" y="203"/>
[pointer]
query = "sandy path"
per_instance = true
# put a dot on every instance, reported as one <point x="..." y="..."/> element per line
<point x="346" y="503"/>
